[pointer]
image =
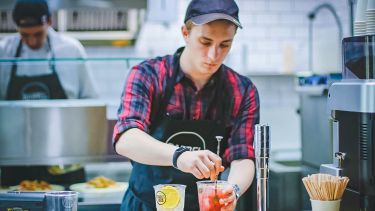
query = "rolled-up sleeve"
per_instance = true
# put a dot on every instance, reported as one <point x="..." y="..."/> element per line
<point x="240" y="142"/>
<point x="136" y="98"/>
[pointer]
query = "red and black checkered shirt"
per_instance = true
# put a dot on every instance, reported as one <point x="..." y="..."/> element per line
<point x="147" y="81"/>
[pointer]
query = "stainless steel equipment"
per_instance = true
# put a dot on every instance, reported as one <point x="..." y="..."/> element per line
<point x="352" y="106"/>
<point x="52" y="132"/>
<point x="87" y="20"/>
<point x="262" y="149"/>
<point x="36" y="201"/>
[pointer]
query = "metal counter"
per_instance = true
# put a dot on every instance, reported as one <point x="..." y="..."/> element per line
<point x="48" y="132"/>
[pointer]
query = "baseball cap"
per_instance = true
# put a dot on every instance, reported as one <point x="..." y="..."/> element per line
<point x="31" y="12"/>
<point x="204" y="11"/>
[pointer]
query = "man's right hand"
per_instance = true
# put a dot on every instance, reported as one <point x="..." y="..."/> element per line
<point x="202" y="164"/>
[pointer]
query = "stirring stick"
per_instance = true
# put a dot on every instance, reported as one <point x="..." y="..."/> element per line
<point x="218" y="139"/>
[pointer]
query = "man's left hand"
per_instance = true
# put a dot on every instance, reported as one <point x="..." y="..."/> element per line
<point x="230" y="201"/>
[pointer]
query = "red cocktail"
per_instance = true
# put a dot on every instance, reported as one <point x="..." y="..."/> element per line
<point x="210" y="193"/>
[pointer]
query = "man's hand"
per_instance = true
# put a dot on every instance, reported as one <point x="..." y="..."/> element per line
<point x="202" y="164"/>
<point x="229" y="200"/>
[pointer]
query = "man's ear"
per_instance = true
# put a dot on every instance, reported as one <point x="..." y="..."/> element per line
<point x="185" y="32"/>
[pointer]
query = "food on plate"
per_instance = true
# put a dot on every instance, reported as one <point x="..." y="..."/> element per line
<point x="102" y="182"/>
<point x="99" y="185"/>
<point x="34" y="185"/>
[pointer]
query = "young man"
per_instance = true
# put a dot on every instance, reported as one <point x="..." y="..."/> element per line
<point x="174" y="107"/>
<point x="46" y="80"/>
<point x="37" y="40"/>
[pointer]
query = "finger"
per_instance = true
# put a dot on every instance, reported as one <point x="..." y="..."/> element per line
<point x="227" y="200"/>
<point x="197" y="173"/>
<point x="214" y="157"/>
<point x="211" y="167"/>
<point x="203" y="169"/>
<point x="229" y="207"/>
<point x="217" y="161"/>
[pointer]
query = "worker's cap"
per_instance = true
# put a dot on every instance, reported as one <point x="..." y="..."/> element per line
<point x="28" y="13"/>
<point x="204" y="11"/>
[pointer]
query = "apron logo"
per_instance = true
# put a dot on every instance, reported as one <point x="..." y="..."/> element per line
<point x="191" y="140"/>
<point x="160" y="198"/>
<point x="35" y="91"/>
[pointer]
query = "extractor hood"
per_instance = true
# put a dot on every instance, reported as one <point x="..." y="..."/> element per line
<point x="88" y="20"/>
<point x="78" y="4"/>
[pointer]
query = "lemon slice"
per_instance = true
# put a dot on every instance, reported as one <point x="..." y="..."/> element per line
<point x="169" y="197"/>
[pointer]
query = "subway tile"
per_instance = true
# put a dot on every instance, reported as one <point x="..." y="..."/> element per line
<point x="305" y="6"/>
<point x="267" y="18"/>
<point x="294" y="19"/>
<point x="301" y="32"/>
<point x="280" y="5"/>
<point x="280" y="31"/>
<point x="251" y="6"/>
<point x="255" y="31"/>
<point x="268" y="45"/>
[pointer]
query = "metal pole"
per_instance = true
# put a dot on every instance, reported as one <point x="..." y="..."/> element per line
<point x="262" y="148"/>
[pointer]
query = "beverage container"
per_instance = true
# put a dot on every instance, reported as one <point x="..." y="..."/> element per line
<point x="318" y="205"/>
<point x="62" y="201"/>
<point x="209" y="194"/>
<point x="170" y="197"/>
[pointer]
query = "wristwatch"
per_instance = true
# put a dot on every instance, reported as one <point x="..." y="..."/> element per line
<point x="177" y="154"/>
<point x="237" y="190"/>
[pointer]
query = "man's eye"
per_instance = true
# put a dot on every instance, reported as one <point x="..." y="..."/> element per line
<point x="224" y="46"/>
<point x="206" y="43"/>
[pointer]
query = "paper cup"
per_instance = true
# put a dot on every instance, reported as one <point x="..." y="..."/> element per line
<point x="318" y="205"/>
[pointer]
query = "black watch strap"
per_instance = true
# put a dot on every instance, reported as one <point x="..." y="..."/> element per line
<point x="177" y="154"/>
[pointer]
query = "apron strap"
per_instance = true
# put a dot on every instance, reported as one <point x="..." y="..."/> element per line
<point x="169" y="89"/>
<point x="18" y="54"/>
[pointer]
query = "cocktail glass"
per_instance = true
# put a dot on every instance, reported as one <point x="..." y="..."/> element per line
<point x="170" y="197"/>
<point x="209" y="194"/>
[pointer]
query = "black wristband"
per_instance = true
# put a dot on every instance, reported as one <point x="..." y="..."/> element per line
<point x="177" y="154"/>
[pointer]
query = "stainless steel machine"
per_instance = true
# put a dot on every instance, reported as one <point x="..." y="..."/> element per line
<point x="351" y="103"/>
<point x="53" y="132"/>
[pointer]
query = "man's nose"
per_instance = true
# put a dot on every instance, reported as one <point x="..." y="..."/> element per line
<point x="31" y="41"/>
<point x="212" y="53"/>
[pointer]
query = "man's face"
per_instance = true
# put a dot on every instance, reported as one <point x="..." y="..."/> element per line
<point x="209" y="44"/>
<point x="34" y="36"/>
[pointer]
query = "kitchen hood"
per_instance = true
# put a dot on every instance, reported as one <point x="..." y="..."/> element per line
<point x="89" y="21"/>
<point x="79" y="4"/>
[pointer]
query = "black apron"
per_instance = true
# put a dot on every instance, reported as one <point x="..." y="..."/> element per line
<point x="195" y="134"/>
<point x="39" y="87"/>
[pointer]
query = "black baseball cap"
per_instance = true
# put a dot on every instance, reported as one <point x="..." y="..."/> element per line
<point x="28" y="13"/>
<point x="204" y="11"/>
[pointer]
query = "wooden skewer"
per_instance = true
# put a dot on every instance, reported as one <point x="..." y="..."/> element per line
<point x="325" y="187"/>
